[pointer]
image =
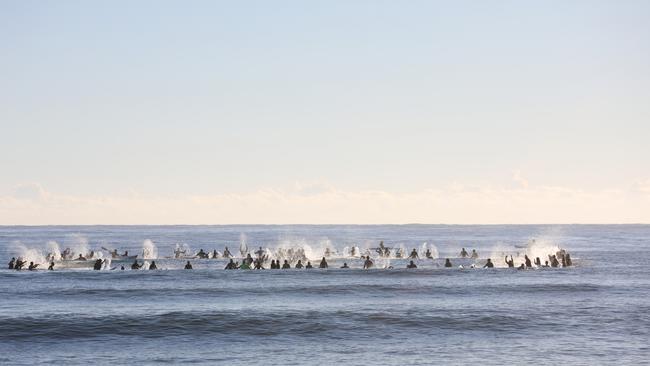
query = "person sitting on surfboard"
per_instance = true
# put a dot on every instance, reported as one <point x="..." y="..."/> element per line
<point x="226" y="253"/>
<point x="153" y="266"/>
<point x="463" y="253"/>
<point x="367" y="264"/>
<point x="286" y="265"/>
<point x="474" y="254"/>
<point x="12" y="262"/>
<point x="527" y="261"/>
<point x="272" y="263"/>
<point x="188" y="265"/>
<point x="428" y="254"/>
<point x="489" y="264"/>
<point x="414" y="254"/>
<point x="308" y="266"/>
<point x="299" y="264"/>
<point x="511" y="262"/>
<point x="411" y="265"/>
<point x="345" y="265"/>
<point x="538" y="262"/>
<point x="447" y="263"/>
<point x="323" y="263"/>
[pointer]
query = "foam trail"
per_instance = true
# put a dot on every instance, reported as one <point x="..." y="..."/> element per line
<point x="149" y="250"/>
<point x="27" y="254"/>
<point x="77" y="243"/>
<point x="243" y="246"/>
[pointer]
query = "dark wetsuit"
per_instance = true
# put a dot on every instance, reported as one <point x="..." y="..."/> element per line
<point x="286" y="265"/>
<point x="510" y="263"/>
<point x="528" y="264"/>
<point x="447" y="263"/>
<point x="323" y="263"/>
<point x="489" y="264"/>
<point x="12" y="263"/>
<point x="153" y="265"/>
<point x="411" y="265"/>
<point x="188" y="265"/>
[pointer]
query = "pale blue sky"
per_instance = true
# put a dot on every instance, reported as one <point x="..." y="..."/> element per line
<point x="181" y="98"/>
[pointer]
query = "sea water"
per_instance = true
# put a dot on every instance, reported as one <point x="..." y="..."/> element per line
<point x="595" y="312"/>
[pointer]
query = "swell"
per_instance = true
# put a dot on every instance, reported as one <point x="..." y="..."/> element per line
<point x="291" y="323"/>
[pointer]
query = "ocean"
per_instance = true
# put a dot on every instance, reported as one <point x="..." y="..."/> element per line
<point x="594" y="312"/>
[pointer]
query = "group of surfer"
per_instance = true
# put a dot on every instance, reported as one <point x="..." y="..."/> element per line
<point x="18" y="264"/>
<point x="292" y="258"/>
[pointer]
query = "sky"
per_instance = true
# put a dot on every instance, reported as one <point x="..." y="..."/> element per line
<point x="356" y="112"/>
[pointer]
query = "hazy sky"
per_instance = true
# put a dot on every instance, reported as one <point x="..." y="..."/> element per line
<point x="324" y="111"/>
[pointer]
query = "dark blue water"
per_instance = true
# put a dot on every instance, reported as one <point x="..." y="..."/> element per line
<point x="596" y="312"/>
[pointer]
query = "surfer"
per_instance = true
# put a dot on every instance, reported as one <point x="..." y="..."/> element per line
<point x="201" y="254"/>
<point x="245" y="265"/>
<point x="569" y="263"/>
<point x="226" y="253"/>
<point x="414" y="254"/>
<point x="231" y="265"/>
<point x="353" y="252"/>
<point x="345" y="265"/>
<point x="97" y="265"/>
<point x="521" y="267"/>
<point x="286" y="265"/>
<point x="527" y="261"/>
<point x="51" y="267"/>
<point x="248" y="260"/>
<point x="114" y="254"/>
<point x="258" y="264"/>
<point x="188" y="265"/>
<point x="299" y="264"/>
<point x="273" y="264"/>
<point x="19" y="264"/>
<point x="474" y="254"/>
<point x="215" y="254"/>
<point x="411" y="265"/>
<point x="136" y="265"/>
<point x="367" y="264"/>
<point x="153" y="266"/>
<point x="32" y="266"/>
<point x="511" y="262"/>
<point x="309" y="266"/>
<point x="126" y="253"/>
<point x="489" y="264"/>
<point x="463" y="253"/>
<point x="12" y="262"/>
<point x="538" y="262"/>
<point x="259" y="252"/>
<point x="554" y="261"/>
<point x="323" y="263"/>
<point x="448" y="263"/>
<point x="327" y="252"/>
<point x="428" y="254"/>
<point x="177" y="252"/>
<point x="398" y="253"/>
<point x="81" y="257"/>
